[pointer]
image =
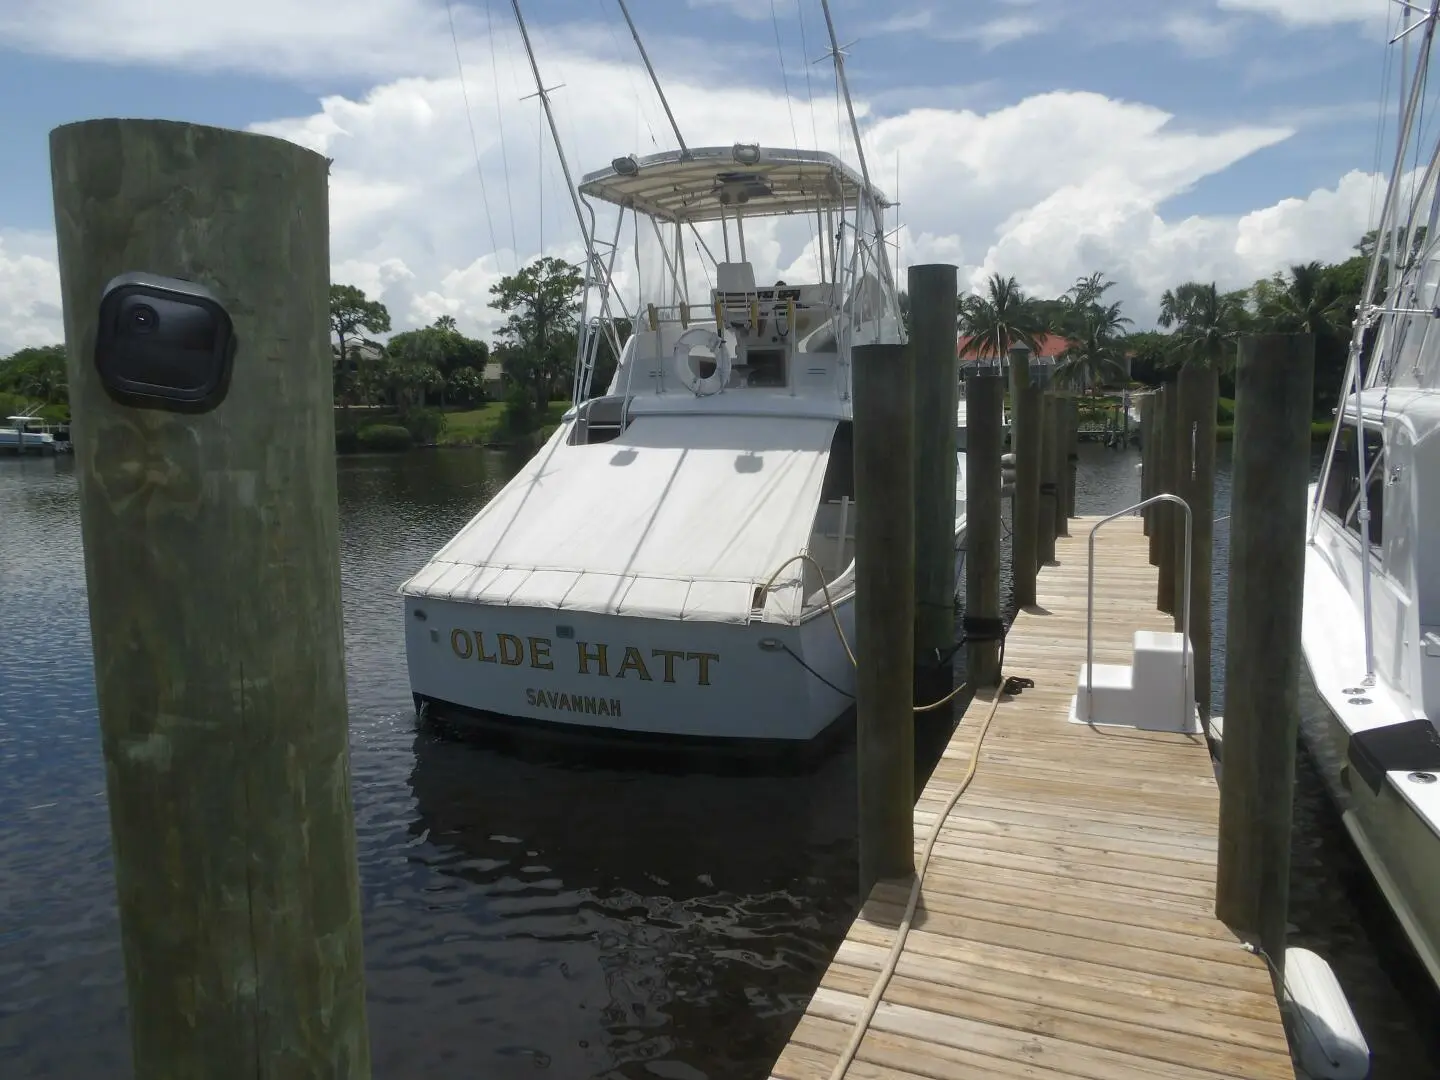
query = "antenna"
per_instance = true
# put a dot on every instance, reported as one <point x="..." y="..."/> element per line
<point x="838" y="54"/>
<point x="684" y="150"/>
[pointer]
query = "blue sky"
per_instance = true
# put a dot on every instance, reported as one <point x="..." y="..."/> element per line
<point x="1155" y="141"/>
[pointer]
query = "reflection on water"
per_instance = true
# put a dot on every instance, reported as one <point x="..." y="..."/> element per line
<point x="524" y="911"/>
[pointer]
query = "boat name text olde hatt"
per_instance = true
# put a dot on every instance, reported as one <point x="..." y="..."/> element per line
<point x="668" y="665"/>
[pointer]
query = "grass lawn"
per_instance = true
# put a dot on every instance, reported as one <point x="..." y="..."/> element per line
<point x="487" y="424"/>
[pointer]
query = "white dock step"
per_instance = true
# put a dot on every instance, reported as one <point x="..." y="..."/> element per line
<point x="1153" y="693"/>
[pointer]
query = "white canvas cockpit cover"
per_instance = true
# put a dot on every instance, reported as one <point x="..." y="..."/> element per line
<point x="680" y="517"/>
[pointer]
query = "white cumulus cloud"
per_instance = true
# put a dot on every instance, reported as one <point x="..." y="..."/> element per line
<point x="30" y="311"/>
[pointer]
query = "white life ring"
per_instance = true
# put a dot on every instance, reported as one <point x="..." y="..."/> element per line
<point x="685" y="371"/>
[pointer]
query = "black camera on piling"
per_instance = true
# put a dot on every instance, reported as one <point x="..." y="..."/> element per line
<point x="164" y="343"/>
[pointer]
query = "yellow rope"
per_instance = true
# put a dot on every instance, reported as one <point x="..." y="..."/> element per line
<point x="765" y="591"/>
<point x="873" y="1001"/>
<point x="840" y="630"/>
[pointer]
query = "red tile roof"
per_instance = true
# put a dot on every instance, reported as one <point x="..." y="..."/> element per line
<point x="1051" y="345"/>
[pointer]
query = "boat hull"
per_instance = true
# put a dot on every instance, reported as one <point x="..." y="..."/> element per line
<point x="1400" y="850"/>
<point x="690" y="679"/>
<point x="682" y="679"/>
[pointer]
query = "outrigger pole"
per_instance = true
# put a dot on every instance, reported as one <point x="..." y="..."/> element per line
<point x="838" y="55"/>
<point x="684" y="150"/>
<point x="596" y="272"/>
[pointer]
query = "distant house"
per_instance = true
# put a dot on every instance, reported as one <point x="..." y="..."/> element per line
<point x="362" y="351"/>
<point x="1047" y="353"/>
<point x="493" y="380"/>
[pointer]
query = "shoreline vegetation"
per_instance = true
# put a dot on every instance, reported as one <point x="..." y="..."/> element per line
<point x="433" y="386"/>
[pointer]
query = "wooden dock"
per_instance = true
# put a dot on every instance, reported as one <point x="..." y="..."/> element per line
<point x="1066" y="926"/>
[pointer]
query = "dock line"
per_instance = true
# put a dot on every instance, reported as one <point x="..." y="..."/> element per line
<point x="844" y="641"/>
<point x="883" y="980"/>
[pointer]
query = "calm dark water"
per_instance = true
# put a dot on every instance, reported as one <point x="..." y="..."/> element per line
<point x="526" y="912"/>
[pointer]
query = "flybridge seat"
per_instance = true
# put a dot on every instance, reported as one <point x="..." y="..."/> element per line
<point x="1155" y="693"/>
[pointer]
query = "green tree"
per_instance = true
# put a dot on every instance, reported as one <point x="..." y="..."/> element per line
<point x="1096" y="353"/>
<point x="1319" y="300"/>
<point x="1148" y="355"/>
<point x="350" y="312"/>
<point x="1206" y="323"/>
<point x="37" y="374"/>
<point x="1003" y="317"/>
<point x="466" y="385"/>
<point x="1308" y="302"/>
<point x="454" y="350"/>
<point x="416" y="362"/>
<point x="540" y="302"/>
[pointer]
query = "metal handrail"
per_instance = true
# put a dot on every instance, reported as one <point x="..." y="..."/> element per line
<point x="1090" y="602"/>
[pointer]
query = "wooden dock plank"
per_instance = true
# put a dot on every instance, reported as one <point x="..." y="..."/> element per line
<point x="1066" y="924"/>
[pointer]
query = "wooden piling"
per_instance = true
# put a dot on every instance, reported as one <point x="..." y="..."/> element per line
<point x="1168" y="515"/>
<point x="884" y="383"/>
<point x="1062" y="465"/>
<point x="1025" y="505"/>
<point x="212" y="563"/>
<point x="1072" y="456"/>
<point x="1157" y="481"/>
<point x="937" y="389"/>
<point x="1199" y="392"/>
<point x="1049" y="481"/>
<point x="984" y="402"/>
<point x="1147" y="460"/>
<point x="1263" y="660"/>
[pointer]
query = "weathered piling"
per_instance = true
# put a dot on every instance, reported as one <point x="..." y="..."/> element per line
<point x="1169" y="516"/>
<point x="1262" y="655"/>
<point x="1072" y="456"/>
<point x="1062" y="465"/>
<point x="1199" y="393"/>
<point x="210" y="527"/>
<point x="884" y="404"/>
<point x="984" y="405"/>
<point x="1147" y="462"/>
<point x="1157" y="481"/>
<point x="937" y="389"/>
<point x="1025" y="421"/>
<point x="1049" y="481"/>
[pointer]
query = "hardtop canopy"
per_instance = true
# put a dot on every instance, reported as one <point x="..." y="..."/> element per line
<point x="708" y="183"/>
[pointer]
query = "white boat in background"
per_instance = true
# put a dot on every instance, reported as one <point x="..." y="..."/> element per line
<point x="27" y="434"/>
<point x="1371" y="628"/>
<point x="678" y="558"/>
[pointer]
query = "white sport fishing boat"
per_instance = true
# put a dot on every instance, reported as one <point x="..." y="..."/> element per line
<point x="678" y="558"/>
<point x="1371" y="631"/>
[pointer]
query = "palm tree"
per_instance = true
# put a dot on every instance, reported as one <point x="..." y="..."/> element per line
<point x="1088" y="291"/>
<point x="1095" y="355"/>
<point x="1309" y="303"/>
<point x="1206" y="322"/>
<point x="1005" y="316"/>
